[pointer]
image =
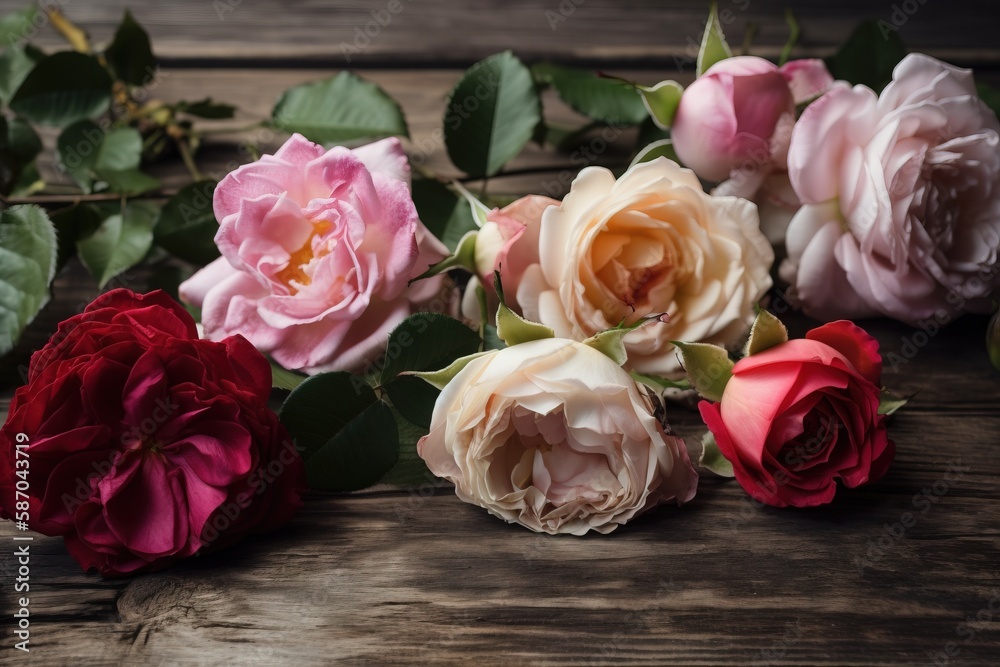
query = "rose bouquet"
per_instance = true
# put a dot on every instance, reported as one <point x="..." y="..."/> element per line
<point x="530" y="350"/>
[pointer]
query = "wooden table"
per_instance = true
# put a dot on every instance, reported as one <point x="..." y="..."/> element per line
<point x="414" y="576"/>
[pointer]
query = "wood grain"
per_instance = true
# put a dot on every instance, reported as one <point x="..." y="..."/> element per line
<point x="648" y="33"/>
<point x="402" y="577"/>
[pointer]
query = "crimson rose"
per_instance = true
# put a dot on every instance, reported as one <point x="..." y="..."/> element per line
<point x="146" y="445"/>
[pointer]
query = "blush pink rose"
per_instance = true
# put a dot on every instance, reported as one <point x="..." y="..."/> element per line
<point x="796" y="418"/>
<point x="317" y="249"/>
<point x="901" y="195"/>
<point x="739" y="114"/>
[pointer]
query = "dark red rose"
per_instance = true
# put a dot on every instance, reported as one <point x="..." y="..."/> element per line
<point x="796" y="418"/>
<point x="146" y="444"/>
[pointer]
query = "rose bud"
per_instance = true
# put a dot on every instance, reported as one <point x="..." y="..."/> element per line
<point x="739" y="114"/>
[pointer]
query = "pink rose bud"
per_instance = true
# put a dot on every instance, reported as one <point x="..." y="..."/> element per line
<point x="739" y="114"/>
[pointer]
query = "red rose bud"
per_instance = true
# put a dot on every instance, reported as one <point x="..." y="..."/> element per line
<point x="147" y="445"/>
<point x="800" y="415"/>
<point x="993" y="340"/>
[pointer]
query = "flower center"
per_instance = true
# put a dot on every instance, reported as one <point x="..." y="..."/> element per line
<point x="295" y="275"/>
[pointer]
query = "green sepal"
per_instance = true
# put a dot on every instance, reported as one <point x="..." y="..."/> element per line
<point x="511" y="327"/>
<point x="708" y="367"/>
<point x="713" y="44"/>
<point x="767" y="331"/>
<point x="440" y="379"/>
<point x="662" y="101"/>
<point x="712" y="458"/>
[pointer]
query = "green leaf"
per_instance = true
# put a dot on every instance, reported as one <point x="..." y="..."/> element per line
<point x="445" y="213"/>
<point x="130" y="55"/>
<point x="491" y="339"/>
<point x="63" y="88"/>
<point x="711" y="457"/>
<point x="713" y="43"/>
<point x="19" y="145"/>
<point x="491" y="115"/>
<point x="661" y="101"/>
<point x="410" y="469"/>
<point x="347" y="438"/>
<point x="413" y="398"/>
<point x="990" y="95"/>
<point x="27" y="267"/>
<point x="662" y="148"/>
<point x="74" y="223"/>
<point x="767" y="331"/>
<point x="120" y="243"/>
<point x="128" y="181"/>
<point x="604" y="99"/>
<point x="77" y="148"/>
<point x="426" y="342"/>
<point x="340" y="109"/>
<point x="18" y="26"/>
<point x="89" y="155"/>
<point x="868" y="56"/>
<point x="187" y="226"/>
<point x="708" y="367"/>
<point x="282" y="378"/>
<point x="206" y="108"/>
<point x="889" y="402"/>
<point x="15" y="64"/>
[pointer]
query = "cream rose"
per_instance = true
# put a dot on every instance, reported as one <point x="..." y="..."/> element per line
<point x="555" y="436"/>
<point x="651" y="242"/>
<point x="901" y="195"/>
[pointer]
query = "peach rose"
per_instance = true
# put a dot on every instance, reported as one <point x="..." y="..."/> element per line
<point x="555" y="436"/>
<point x="651" y="242"/>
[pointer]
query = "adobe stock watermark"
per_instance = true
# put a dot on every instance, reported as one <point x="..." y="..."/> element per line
<point x="365" y="35"/>
<point x="922" y="502"/>
<point x="776" y="652"/>
<point x="900" y="14"/>
<point x="967" y="631"/>
<point x="562" y="13"/>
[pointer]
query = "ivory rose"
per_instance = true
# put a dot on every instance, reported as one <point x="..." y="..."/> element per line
<point x="798" y="417"/>
<point x="317" y="249"/>
<point x="651" y="242"/>
<point x="901" y="194"/>
<point x="555" y="436"/>
<point x="739" y="114"/>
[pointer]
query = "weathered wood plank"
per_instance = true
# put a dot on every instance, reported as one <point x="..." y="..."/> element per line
<point x="397" y="578"/>
<point x="645" y="32"/>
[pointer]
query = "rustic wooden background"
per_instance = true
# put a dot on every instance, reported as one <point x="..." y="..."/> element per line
<point x="402" y="577"/>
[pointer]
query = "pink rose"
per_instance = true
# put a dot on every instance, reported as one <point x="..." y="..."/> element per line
<point x="317" y="249"/>
<point x="901" y="194"/>
<point x="739" y="114"/>
<point x="797" y="417"/>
